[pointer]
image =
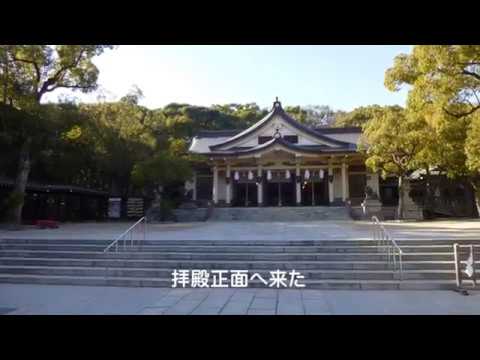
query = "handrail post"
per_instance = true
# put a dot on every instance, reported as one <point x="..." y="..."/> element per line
<point x="457" y="265"/>
<point x="401" y="264"/>
<point x="474" y="281"/>
<point x="395" y="259"/>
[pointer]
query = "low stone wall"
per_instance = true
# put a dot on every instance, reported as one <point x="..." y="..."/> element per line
<point x="386" y="213"/>
<point x="191" y="215"/>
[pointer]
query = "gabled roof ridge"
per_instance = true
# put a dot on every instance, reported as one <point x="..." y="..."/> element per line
<point x="218" y="133"/>
<point x="338" y="130"/>
<point x="278" y="110"/>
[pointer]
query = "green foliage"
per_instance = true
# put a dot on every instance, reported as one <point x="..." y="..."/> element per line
<point x="314" y="116"/>
<point x="444" y="82"/>
<point x="166" y="209"/>
<point x="28" y="72"/>
<point x="472" y="145"/>
<point x="162" y="169"/>
<point x="73" y="134"/>
<point x="392" y="141"/>
<point x="13" y="200"/>
<point x="358" y="117"/>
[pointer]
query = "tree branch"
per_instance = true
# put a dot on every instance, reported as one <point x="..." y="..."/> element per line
<point x="469" y="73"/>
<point x="459" y="115"/>
<point x="58" y="76"/>
<point x="476" y="97"/>
<point x="35" y="65"/>
<point x="65" y="86"/>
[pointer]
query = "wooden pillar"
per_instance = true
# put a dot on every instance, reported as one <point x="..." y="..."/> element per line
<point x="298" y="185"/>
<point x="259" y="186"/>
<point x="330" y="183"/>
<point x="215" y="185"/>
<point x="228" y="197"/>
<point x="279" y="194"/>
<point x="344" y="182"/>
<point x="194" y="193"/>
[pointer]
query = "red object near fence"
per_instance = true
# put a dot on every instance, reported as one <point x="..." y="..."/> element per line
<point x="44" y="224"/>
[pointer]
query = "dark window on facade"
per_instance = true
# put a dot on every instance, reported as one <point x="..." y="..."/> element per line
<point x="264" y="139"/>
<point x="203" y="171"/>
<point x="291" y="138"/>
<point x="357" y="168"/>
<point x="389" y="195"/>
<point x="357" y="183"/>
<point x="204" y="187"/>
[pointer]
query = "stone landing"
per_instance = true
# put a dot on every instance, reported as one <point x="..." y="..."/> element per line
<point x="282" y="214"/>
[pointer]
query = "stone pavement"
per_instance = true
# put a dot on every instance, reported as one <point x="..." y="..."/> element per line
<point x="312" y="230"/>
<point x="22" y="299"/>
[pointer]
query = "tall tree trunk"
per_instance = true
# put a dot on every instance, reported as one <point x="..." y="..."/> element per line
<point x="400" y="198"/>
<point x="115" y="188"/>
<point x="476" y="193"/>
<point x="428" y="193"/>
<point x="5" y="83"/>
<point x="21" y="180"/>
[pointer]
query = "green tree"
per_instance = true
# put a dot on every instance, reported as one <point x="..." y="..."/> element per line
<point x="28" y="72"/>
<point x="121" y="136"/>
<point x="444" y="83"/>
<point x="312" y="115"/>
<point x="357" y="117"/>
<point x="392" y="142"/>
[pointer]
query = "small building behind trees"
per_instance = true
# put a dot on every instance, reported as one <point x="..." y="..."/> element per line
<point x="57" y="202"/>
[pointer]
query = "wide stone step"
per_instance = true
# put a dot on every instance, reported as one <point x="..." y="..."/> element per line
<point x="231" y="264"/>
<point x="165" y="273"/>
<point x="226" y="249"/>
<point x="330" y="284"/>
<point x="325" y="256"/>
<point x="232" y="243"/>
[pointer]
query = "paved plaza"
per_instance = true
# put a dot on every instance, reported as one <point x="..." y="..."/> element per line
<point x="21" y="299"/>
<point x="313" y="230"/>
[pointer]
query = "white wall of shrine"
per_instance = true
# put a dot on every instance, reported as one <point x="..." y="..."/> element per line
<point x="285" y="130"/>
<point x="337" y="184"/>
<point x="352" y="138"/>
<point x="222" y="186"/>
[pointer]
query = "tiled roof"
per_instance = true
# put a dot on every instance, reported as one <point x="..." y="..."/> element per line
<point x="283" y="143"/>
<point x="321" y="130"/>
<point x="33" y="186"/>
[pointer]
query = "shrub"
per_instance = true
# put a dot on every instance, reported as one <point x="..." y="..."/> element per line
<point x="13" y="199"/>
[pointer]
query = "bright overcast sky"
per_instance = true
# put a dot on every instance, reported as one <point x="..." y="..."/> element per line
<point x="343" y="77"/>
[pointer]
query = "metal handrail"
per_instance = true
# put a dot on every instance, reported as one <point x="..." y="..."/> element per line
<point x="459" y="277"/>
<point x="386" y="242"/>
<point x="128" y="233"/>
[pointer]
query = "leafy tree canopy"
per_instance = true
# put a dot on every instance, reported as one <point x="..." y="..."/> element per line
<point x="444" y="83"/>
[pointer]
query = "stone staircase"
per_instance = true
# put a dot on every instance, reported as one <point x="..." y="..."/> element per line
<point x="349" y="264"/>
<point x="269" y="214"/>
